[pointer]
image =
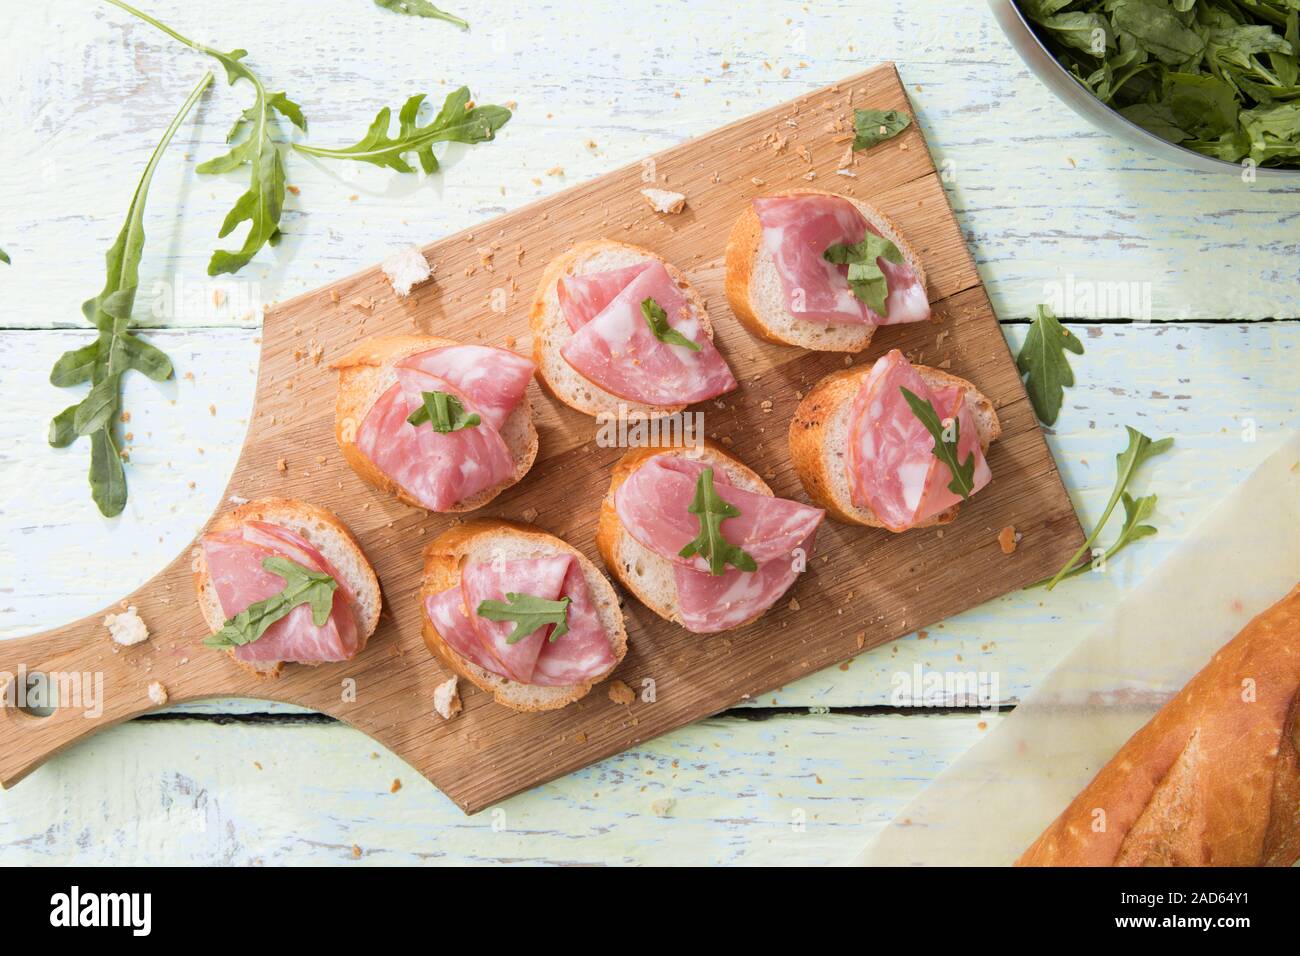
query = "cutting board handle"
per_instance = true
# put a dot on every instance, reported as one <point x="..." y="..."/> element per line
<point x="92" y="682"/>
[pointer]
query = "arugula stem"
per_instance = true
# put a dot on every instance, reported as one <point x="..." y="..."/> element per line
<point x="161" y="26"/>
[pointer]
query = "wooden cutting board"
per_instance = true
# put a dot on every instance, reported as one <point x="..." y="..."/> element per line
<point x="863" y="587"/>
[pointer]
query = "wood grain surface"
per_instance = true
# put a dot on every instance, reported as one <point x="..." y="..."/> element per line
<point x="865" y="587"/>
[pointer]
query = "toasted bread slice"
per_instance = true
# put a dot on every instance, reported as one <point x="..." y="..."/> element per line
<point x="486" y="539"/>
<point x="647" y="575"/>
<point x="550" y="329"/>
<point x="819" y="439"/>
<point x="327" y="534"/>
<point x="758" y="299"/>
<point x="368" y="371"/>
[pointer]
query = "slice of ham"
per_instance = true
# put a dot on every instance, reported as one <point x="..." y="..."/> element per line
<point x="616" y="349"/>
<point x="234" y="560"/>
<point x="776" y="532"/>
<point x="439" y="469"/>
<point x="652" y="502"/>
<point x="584" y="297"/>
<point x="714" y="602"/>
<point x="891" y="462"/>
<point x="493" y="380"/>
<point x="797" y="230"/>
<point x="579" y="655"/>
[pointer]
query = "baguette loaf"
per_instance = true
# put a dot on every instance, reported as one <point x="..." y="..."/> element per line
<point x="1213" y="779"/>
<point x="487" y="539"/>
<point x="327" y="534"/>
<point x="368" y="371"/>
<point x="758" y="298"/>
<point x="819" y="439"/>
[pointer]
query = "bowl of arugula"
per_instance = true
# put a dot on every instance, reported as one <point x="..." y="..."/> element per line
<point x="1208" y="84"/>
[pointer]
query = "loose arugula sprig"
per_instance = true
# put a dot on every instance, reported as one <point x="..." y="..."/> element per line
<point x="443" y="412"/>
<point x="865" y="276"/>
<point x="657" y="319"/>
<point x="456" y="122"/>
<point x="4" y="257"/>
<point x="301" y="586"/>
<point x="709" y="507"/>
<point x="261" y="206"/>
<point x="421" y="8"/>
<point x="115" y="350"/>
<point x="1136" y="510"/>
<point x="875" y="126"/>
<point x="529" y="613"/>
<point x="1043" y="362"/>
<point x="945" y="448"/>
<point x="1221" y="77"/>
<point x="1140" y="450"/>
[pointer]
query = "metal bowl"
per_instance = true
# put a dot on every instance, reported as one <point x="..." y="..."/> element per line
<point x="1059" y="80"/>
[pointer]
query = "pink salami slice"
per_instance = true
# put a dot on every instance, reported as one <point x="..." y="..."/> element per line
<point x="891" y="462"/>
<point x="446" y="610"/>
<point x="493" y="380"/>
<point x="491" y="581"/>
<point x="652" y="504"/>
<point x="617" y="350"/>
<point x="583" y="652"/>
<point x="797" y="230"/>
<point x="710" y="603"/>
<point x="235" y="566"/>
<point x="584" y="297"/>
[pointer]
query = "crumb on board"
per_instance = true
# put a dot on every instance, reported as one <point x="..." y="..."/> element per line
<point x="406" y="269"/>
<point x="126" y="628"/>
<point x="620" y="693"/>
<point x="664" y="200"/>
<point x="157" y="692"/>
<point x="1007" y="539"/>
<point x="282" y="465"/>
<point x="446" y="702"/>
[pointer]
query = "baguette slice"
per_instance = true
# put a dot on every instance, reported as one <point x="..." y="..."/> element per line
<point x="647" y="575"/>
<point x="327" y="534"/>
<point x="484" y="539"/>
<point x="368" y="371"/>
<point x="550" y="329"/>
<point x="819" y="439"/>
<point x="757" y="296"/>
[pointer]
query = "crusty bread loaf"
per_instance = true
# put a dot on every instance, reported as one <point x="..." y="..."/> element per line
<point x="647" y="575"/>
<point x="819" y="439"/>
<point x="758" y="299"/>
<point x="485" y="539"/>
<point x="368" y="371"/>
<point x="551" y="330"/>
<point x="327" y="534"/>
<point x="1213" y="779"/>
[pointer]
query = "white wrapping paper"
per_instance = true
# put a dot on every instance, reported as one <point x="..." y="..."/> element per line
<point x="991" y="804"/>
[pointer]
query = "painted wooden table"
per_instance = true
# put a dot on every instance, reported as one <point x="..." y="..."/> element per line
<point x="1196" y="334"/>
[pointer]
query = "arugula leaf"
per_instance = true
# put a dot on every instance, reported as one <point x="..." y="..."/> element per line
<point x="529" y="613"/>
<point x="4" y="257"/>
<point x="1135" y="511"/>
<point x="263" y="203"/>
<point x="865" y="276"/>
<point x="657" y="319"/>
<point x="1043" y="363"/>
<point x="115" y="350"/>
<point x="945" y="449"/>
<point x="421" y="8"/>
<point x="301" y="586"/>
<point x="443" y="412"/>
<point x="1140" y="450"/>
<point x="710" y="544"/>
<point x="1221" y="77"/>
<point x="875" y="126"/>
<point x="456" y="122"/>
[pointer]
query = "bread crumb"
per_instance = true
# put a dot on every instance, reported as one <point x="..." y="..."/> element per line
<point x="406" y="269"/>
<point x="294" y="189"/>
<point x="664" y="200"/>
<point x="397" y="785"/>
<point x="663" y="807"/>
<point x="1007" y="539"/>
<point x="126" y="628"/>
<point x="281" y="465"/>
<point x="794" y="604"/>
<point x="157" y="692"/>
<point x="620" y="693"/>
<point x="446" y="702"/>
<point x="861" y="639"/>
<point x="555" y="171"/>
<point x="356" y="852"/>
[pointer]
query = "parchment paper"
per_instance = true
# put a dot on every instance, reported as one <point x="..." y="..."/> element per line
<point x="992" y="803"/>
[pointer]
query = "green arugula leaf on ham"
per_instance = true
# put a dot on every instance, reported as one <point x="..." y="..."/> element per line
<point x="443" y="412"/>
<point x="657" y="319"/>
<point x="711" y="510"/>
<point x="945" y="444"/>
<point x="301" y="586"/>
<point x="529" y="613"/>
<point x="866" y="279"/>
